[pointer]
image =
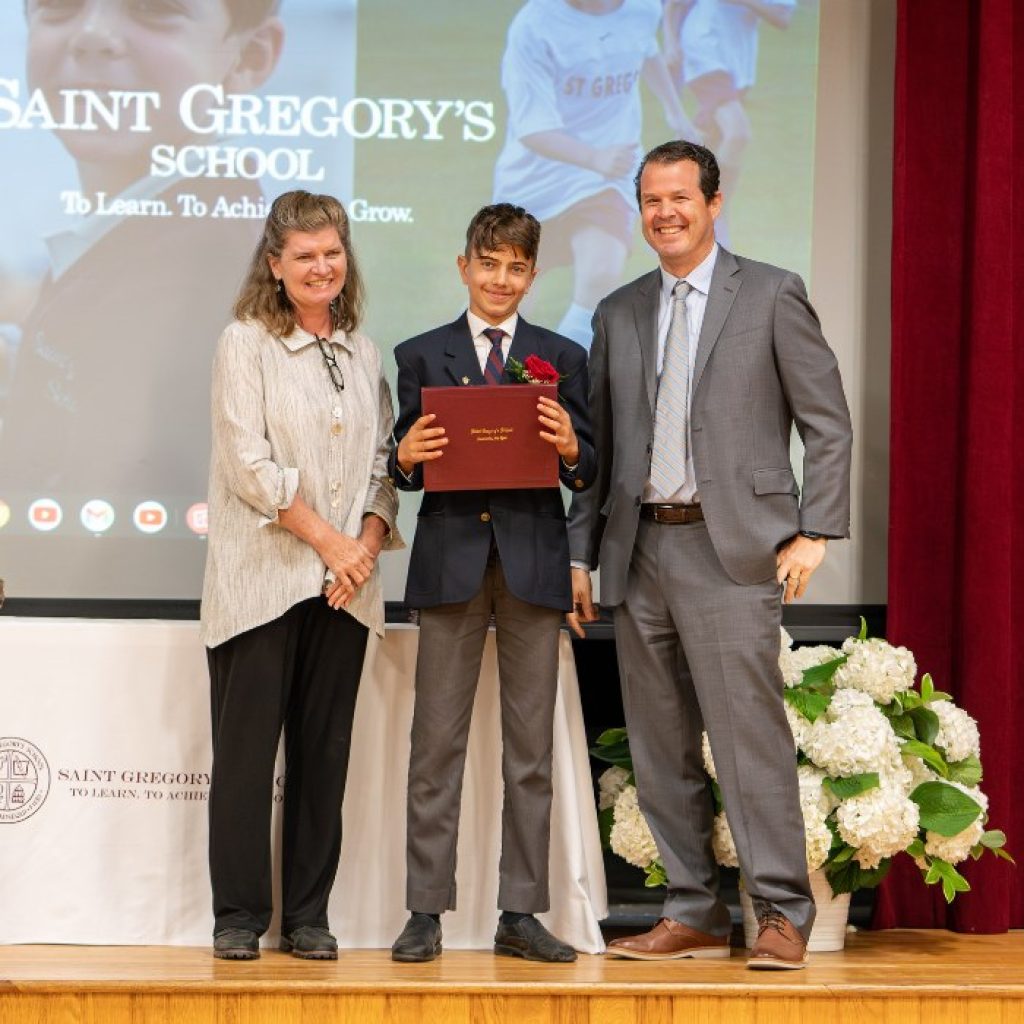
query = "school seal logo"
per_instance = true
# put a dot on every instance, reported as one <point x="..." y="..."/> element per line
<point x="24" y="779"/>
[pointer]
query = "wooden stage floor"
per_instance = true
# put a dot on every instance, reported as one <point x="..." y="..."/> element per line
<point x="896" y="977"/>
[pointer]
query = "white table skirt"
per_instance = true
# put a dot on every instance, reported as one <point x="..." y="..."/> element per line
<point x="104" y="761"/>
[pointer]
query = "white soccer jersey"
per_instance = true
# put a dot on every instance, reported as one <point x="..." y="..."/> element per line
<point x="566" y="70"/>
<point x="718" y="36"/>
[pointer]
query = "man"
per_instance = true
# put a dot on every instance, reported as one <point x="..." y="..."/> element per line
<point x="478" y="553"/>
<point x="698" y="371"/>
<point x="571" y="72"/>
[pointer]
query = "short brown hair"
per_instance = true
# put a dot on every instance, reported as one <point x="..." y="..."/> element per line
<point x="503" y="224"/>
<point x="677" y="150"/>
<point x="260" y="298"/>
<point x="249" y="13"/>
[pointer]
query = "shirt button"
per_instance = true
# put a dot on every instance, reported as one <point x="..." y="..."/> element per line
<point x="485" y="517"/>
<point x="335" y="502"/>
<point x="578" y="484"/>
<point x="335" y="429"/>
<point x="337" y="412"/>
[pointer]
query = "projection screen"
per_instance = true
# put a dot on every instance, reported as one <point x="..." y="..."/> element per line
<point x="142" y="141"/>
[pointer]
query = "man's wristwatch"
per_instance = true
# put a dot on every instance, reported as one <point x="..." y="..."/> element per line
<point x="812" y="535"/>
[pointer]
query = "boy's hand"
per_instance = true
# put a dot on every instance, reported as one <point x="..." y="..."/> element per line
<point x="422" y="443"/>
<point x="559" y="430"/>
<point x="583" y="607"/>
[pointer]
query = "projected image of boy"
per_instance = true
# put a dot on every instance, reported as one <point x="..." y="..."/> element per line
<point x="109" y="395"/>
<point x="712" y="46"/>
<point x="159" y="46"/>
<point x="571" y="73"/>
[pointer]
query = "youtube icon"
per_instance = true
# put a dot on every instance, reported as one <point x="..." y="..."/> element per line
<point x="149" y="517"/>
<point x="45" y="514"/>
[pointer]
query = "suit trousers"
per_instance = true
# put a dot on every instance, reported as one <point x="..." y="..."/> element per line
<point x="451" y="648"/>
<point x="300" y="671"/>
<point x="699" y="650"/>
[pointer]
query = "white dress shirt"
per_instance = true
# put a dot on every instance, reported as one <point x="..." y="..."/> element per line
<point x="699" y="280"/>
<point x="482" y="343"/>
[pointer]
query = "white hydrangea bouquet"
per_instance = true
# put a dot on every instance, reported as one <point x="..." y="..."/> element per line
<point x="885" y="768"/>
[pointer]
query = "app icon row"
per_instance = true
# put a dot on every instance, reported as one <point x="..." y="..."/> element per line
<point x="98" y="516"/>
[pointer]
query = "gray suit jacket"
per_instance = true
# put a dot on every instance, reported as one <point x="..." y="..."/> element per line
<point x="761" y="366"/>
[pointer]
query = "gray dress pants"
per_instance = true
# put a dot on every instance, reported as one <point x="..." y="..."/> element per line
<point x="697" y="650"/>
<point x="447" y="670"/>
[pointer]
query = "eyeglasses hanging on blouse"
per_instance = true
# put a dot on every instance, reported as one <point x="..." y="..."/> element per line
<point x="331" y="362"/>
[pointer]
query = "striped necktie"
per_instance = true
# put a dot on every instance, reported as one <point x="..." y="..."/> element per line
<point x="672" y="409"/>
<point x="494" y="368"/>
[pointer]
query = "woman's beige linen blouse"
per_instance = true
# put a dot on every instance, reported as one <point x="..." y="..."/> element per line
<point x="280" y="428"/>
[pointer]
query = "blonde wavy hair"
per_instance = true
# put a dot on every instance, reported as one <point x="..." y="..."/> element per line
<point x="262" y="300"/>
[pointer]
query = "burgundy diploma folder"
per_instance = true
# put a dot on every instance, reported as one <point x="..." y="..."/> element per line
<point x="494" y="440"/>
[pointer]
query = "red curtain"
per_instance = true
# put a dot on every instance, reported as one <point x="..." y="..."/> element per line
<point x="956" y="533"/>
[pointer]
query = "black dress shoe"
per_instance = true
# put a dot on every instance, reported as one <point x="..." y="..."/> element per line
<point x="528" y="938"/>
<point x="420" y="940"/>
<point x="236" y="944"/>
<point x="308" y="942"/>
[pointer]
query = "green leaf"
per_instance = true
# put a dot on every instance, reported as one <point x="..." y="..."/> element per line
<point x="852" y="785"/>
<point x="716" y="792"/>
<point x="807" y="703"/>
<point x="951" y="879"/>
<point x="605" y="820"/>
<point x="612" y="747"/>
<point x="1001" y="853"/>
<point x="927" y="689"/>
<point x="863" y="634"/>
<point x="916" y="848"/>
<point x="903" y="726"/>
<point x="850" y="876"/>
<point x="818" y="675"/>
<point x="612" y="736"/>
<point x="926" y="724"/>
<point x="967" y="772"/>
<point x="837" y="839"/>
<point x="944" y="808"/>
<point x="845" y="854"/>
<point x="993" y="839"/>
<point x="929" y="755"/>
<point x="910" y="699"/>
<point x="655" y="875"/>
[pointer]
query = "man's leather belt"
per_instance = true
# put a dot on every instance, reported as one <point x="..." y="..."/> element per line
<point x="672" y="513"/>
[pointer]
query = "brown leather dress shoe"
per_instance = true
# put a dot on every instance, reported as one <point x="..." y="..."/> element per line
<point x="670" y="940"/>
<point x="779" y="946"/>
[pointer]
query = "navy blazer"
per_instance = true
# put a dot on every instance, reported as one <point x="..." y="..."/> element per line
<point x="454" y="528"/>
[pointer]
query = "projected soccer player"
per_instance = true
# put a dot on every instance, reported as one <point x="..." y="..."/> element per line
<point x="571" y="73"/>
<point x="109" y="395"/>
<point x="712" y="46"/>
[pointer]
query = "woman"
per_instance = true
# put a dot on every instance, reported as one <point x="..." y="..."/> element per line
<point x="300" y="507"/>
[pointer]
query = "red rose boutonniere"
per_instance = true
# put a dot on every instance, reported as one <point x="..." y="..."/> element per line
<point x="533" y="371"/>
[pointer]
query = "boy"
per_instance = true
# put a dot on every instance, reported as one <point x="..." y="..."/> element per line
<point x="110" y="385"/>
<point x="478" y="553"/>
